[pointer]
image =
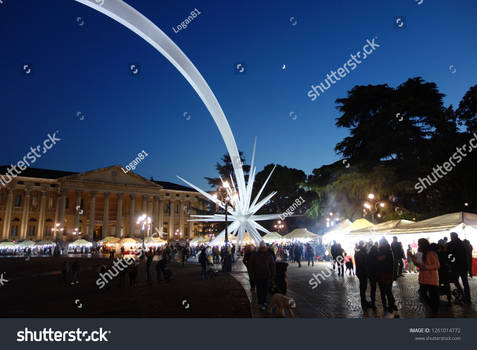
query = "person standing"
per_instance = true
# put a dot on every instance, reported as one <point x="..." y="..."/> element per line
<point x="372" y="265"/>
<point x="428" y="273"/>
<point x="262" y="268"/>
<point x="468" y="256"/>
<point x="360" y="258"/>
<point x="458" y="262"/>
<point x="398" y="254"/>
<point x="310" y="254"/>
<point x="386" y="276"/>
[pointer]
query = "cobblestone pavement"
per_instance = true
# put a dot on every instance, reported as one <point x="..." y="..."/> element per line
<point x="338" y="297"/>
<point x="35" y="289"/>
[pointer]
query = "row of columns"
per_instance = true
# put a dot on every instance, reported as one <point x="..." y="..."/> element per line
<point x="154" y="209"/>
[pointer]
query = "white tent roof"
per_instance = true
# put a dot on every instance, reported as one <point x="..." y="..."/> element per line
<point x="272" y="237"/>
<point x="301" y="233"/>
<point x="383" y="227"/>
<point x="439" y="223"/>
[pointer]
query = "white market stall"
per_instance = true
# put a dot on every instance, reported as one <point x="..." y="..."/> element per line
<point x="337" y="233"/>
<point x="273" y="237"/>
<point x="301" y="235"/>
<point x="373" y="232"/>
<point x="154" y="242"/>
<point x="80" y="245"/>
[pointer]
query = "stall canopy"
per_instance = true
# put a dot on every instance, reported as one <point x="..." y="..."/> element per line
<point x="446" y="222"/>
<point x="272" y="237"/>
<point x="337" y="232"/>
<point x="382" y="228"/>
<point x="109" y="240"/>
<point x="154" y="241"/>
<point x="301" y="234"/>
<point x="81" y="243"/>
<point x="26" y="244"/>
<point x="128" y="242"/>
<point x="246" y="239"/>
<point x="44" y="243"/>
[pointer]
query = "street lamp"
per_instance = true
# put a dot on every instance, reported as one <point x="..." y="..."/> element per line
<point x="145" y="222"/>
<point x="223" y="197"/>
<point x="373" y="207"/>
<point x="279" y="225"/>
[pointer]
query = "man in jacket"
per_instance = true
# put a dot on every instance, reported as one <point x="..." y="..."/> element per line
<point x="360" y="258"/>
<point x="457" y="256"/>
<point x="262" y="268"/>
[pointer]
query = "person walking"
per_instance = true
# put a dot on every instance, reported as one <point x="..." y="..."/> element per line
<point x="458" y="262"/>
<point x="386" y="276"/>
<point x="340" y="255"/>
<point x="360" y="258"/>
<point x="75" y="270"/>
<point x="410" y="264"/>
<point x="298" y="253"/>
<point x="65" y="272"/>
<point x="428" y="274"/>
<point x="249" y="251"/>
<point x="262" y="268"/>
<point x="149" y="258"/>
<point x="203" y="261"/>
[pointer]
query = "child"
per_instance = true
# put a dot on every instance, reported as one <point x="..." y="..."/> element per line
<point x="349" y="264"/>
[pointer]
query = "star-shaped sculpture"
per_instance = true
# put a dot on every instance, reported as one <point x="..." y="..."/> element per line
<point x="241" y="213"/>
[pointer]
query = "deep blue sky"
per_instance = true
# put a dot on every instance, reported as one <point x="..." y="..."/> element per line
<point x="86" y="69"/>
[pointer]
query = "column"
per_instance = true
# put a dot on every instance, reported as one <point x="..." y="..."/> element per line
<point x="171" y="219"/>
<point x="191" y="223"/>
<point x="8" y="213"/>
<point x="161" y="215"/>
<point x="92" y="208"/>
<point x="144" y="204"/>
<point x="106" y="215"/>
<point x="57" y="215"/>
<point x="132" y="201"/>
<point x="26" y="213"/>
<point x="181" y="218"/>
<point x="41" y="219"/>
<point x="155" y="212"/>
<point x="119" y="215"/>
<point x="77" y="209"/>
<point x="149" y="213"/>
<point x="61" y="213"/>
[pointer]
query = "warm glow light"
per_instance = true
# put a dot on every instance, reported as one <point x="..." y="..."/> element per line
<point x="371" y="196"/>
<point x="381" y="204"/>
<point x="367" y="205"/>
<point x="226" y="184"/>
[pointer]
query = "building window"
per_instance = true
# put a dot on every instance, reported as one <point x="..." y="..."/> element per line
<point x="34" y="201"/>
<point x="67" y="203"/>
<point x="177" y="208"/>
<point x="15" y="230"/>
<point x="18" y="200"/>
<point x="31" y="231"/>
<point x="82" y="203"/>
<point x="50" y="203"/>
<point x="167" y="209"/>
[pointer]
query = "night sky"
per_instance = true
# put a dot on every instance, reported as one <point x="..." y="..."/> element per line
<point x="80" y="82"/>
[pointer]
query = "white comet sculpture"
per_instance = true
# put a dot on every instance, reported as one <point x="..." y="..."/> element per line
<point x="242" y="212"/>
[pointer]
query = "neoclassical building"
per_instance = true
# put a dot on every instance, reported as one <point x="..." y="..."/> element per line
<point x="50" y="204"/>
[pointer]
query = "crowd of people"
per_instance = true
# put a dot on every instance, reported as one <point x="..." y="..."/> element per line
<point x="439" y="265"/>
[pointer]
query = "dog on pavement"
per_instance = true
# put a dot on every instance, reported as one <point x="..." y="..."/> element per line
<point x="282" y="303"/>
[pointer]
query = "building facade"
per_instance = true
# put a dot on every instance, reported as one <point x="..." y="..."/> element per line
<point x="48" y="204"/>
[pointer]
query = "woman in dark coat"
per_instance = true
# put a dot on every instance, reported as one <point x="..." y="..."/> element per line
<point x="386" y="276"/>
